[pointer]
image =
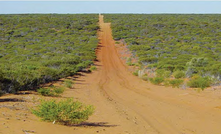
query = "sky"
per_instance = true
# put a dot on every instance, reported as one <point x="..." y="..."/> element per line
<point x="148" y="7"/>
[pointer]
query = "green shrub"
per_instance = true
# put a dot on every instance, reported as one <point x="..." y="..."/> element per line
<point x="68" y="83"/>
<point x="54" y="91"/>
<point x="58" y="91"/>
<point x="179" y="74"/>
<point x="166" y="83"/>
<point x="199" y="82"/>
<point x="129" y="61"/>
<point x="175" y="82"/>
<point x="163" y="73"/>
<point x="44" y="91"/>
<point x="66" y="111"/>
<point x="92" y="68"/>
<point x="156" y="80"/>
<point x="145" y="77"/>
<point x="117" y="42"/>
<point x="135" y="73"/>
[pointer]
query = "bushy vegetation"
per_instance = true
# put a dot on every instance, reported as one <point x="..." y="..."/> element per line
<point x="135" y="73"/>
<point x="156" y="80"/>
<point x="92" y="68"/>
<point x="175" y="82"/>
<point x="179" y="74"/>
<point x="68" y="83"/>
<point x="66" y="111"/>
<point x="184" y="45"/>
<point x="52" y="91"/>
<point x="36" y="49"/>
<point x="163" y="73"/>
<point x="199" y="82"/>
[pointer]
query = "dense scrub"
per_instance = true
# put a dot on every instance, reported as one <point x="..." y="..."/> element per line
<point x="175" y="43"/>
<point x="36" y="49"/>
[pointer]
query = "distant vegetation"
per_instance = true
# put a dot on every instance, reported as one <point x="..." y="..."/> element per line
<point x="36" y="49"/>
<point x="184" y="45"/>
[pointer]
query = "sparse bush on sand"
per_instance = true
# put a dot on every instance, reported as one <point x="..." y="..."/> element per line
<point x="54" y="91"/>
<point x="67" y="111"/>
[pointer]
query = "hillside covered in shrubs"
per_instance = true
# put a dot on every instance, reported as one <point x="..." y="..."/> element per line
<point x="188" y="46"/>
<point x="36" y="49"/>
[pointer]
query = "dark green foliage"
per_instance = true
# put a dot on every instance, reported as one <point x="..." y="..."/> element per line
<point x="36" y="49"/>
<point x="175" y="82"/>
<point x="199" y="82"/>
<point x="179" y="74"/>
<point x="190" y="43"/>
<point x="156" y="80"/>
<point x="66" y="111"/>
<point x="1" y="92"/>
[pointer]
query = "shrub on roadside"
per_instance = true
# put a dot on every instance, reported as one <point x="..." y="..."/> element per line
<point x="145" y="77"/>
<point x="55" y="91"/>
<point x="175" y="82"/>
<point x="199" y="82"/>
<point x="129" y="61"/>
<point x="135" y="73"/>
<point x="66" y="111"/>
<point x="156" y="80"/>
<point x="163" y="73"/>
<point x="58" y="90"/>
<point x="92" y="68"/>
<point x="68" y="83"/>
<point x="44" y="91"/>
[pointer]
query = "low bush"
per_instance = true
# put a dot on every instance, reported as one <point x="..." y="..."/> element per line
<point x="199" y="82"/>
<point x="163" y="73"/>
<point x="135" y="73"/>
<point x="117" y="42"/>
<point x="179" y="74"/>
<point x="58" y="90"/>
<point x="54" y="91"/>
<point x="156" y="80"/>
<point x="66" y="111"/>
<point x="68" y="83"/>
<point x="145" y="77"/>
<point x="129" y="61"/>
<point x="92" y="68"/>
<point x="175" y="82"/>
<point x="44" y="91"/>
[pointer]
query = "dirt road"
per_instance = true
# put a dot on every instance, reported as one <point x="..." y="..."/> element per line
<point x="138" y="107"/>
<point x="126" y="104"/>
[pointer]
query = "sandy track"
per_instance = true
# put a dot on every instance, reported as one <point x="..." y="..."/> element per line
<point x="136" y="106"/>
<point x="126" y="104"/>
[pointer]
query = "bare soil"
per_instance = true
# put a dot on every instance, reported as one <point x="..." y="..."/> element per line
<point x="124" y="103"/>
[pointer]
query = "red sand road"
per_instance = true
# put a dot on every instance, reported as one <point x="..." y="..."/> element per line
<point x="126" y="104"/>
